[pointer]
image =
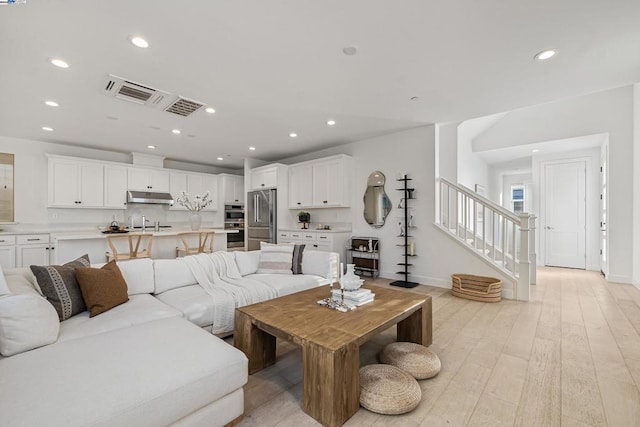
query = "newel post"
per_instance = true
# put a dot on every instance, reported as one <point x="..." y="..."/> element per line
<point x="533" y="257"/>
<point x="524" y="263"/>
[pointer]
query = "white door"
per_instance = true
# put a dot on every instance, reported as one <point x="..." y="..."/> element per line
<point x="604" y="263"/>
<point x="565" y="214"/>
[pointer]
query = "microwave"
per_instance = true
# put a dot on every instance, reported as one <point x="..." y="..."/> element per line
<point x="233" y="212"/>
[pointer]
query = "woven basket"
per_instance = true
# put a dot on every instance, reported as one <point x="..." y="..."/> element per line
<point x="476" y="288"/>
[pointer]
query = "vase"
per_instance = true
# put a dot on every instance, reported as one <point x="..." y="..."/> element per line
<point x="196" y="221"/>
<point x="349" y="281"/>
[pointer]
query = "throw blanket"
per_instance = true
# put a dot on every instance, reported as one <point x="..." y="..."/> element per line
<point x="218" y="275"/>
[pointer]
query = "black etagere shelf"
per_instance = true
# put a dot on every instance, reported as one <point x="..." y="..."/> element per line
<point x="405" y="228"/>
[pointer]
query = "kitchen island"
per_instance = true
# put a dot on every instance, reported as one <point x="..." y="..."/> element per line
<point x="69" y="245"/>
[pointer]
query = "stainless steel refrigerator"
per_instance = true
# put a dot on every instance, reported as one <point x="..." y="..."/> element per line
<point x="261" y="208"/>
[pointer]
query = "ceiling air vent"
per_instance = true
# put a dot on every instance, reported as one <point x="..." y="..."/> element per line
<point x="134" y="92"/>
<point x="184" y="107"/>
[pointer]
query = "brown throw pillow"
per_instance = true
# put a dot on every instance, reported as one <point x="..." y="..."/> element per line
<point x="102" y="288"/>
<point x="58" y="284"/>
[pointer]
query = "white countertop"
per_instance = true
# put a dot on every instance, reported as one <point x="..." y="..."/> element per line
<point x="87" y="234"/>
<point x="333" y="230"/>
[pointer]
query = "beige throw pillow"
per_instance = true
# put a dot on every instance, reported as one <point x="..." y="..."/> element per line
<point x="275" y="259"/>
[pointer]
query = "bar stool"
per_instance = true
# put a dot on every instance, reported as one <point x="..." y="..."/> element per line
<point x="134" y="239"/>
<point x="205" y="243"/>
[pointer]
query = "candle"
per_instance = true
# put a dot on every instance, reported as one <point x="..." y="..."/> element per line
<point x="341" y="274"/>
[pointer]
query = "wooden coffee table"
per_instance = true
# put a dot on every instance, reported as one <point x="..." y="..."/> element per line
<point x="330" y="341"/>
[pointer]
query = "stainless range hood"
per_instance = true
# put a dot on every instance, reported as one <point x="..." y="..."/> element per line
<point x="149" y="197"/>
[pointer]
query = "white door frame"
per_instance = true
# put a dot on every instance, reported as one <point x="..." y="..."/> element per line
<point x="543" y="205"/>
<point x="604" y="207"/>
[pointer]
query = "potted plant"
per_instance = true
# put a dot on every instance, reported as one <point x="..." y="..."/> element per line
<point x="196" y="205"/>
<point x="304" y="218"/>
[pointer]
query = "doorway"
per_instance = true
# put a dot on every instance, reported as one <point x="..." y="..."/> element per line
<point x="565" y="208"/>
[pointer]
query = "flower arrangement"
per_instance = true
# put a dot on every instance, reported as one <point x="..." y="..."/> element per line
<point x="199" y="202"/>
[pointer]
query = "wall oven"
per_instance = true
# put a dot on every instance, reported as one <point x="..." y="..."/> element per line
<point x="234" y="220"/>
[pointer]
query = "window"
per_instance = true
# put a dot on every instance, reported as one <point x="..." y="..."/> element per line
<point x="517" y="198"/>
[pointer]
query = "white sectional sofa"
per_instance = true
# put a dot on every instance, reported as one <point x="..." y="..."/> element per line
<point x="151" y="361"/>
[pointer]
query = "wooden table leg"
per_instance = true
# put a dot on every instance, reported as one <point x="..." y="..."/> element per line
<point x="331" y="382"/>
<point x="418" y="327"/>
<point x="256" y="344"/>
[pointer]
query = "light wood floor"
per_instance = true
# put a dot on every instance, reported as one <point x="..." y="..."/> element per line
<point x="569" y="357"/>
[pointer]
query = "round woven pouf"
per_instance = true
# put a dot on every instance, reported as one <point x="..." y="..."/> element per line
<point x="385" y="389"/>
<point x="415" y="359"/>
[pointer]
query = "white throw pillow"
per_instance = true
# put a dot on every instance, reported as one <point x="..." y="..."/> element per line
<point x="247" y="262"/>
<point x="27" y="321"/>
<point x="275" y="259"/>
<point x="138" y="273"/>
<point x="320" y="263"/>
<point x="172" y="274"/>
<point x="4" y="289"/>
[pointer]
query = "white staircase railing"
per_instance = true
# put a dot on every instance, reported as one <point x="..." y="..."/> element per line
<point x="500" y="237"/>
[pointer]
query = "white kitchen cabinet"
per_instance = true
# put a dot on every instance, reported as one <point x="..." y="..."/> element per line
<point x="232" y="189"/>
<point x="115" y="187"/>
<point x="7" y="251"/>
<point x="264" y="177"/>
<point x="143" y="179"/>
<point x="198" y="184"/>
<point x="177" y="184"/>
<point x="300" y="185"/>
<point x="329" y="183"/>
<point x="321" y="183"/>
<point x="316" y="240"/>
<point x="194" y="184"/>
<point x="32" y="249"/>
<point x="75" y="184"/>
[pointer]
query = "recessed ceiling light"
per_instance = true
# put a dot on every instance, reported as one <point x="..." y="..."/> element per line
<point x="220" y="158"/>
<point x="210" y="110"/>
<point x="47" y="128"/>
<point x="545" y="54"/>
<point x="535" y="151"/>
<point x="293" y="135"/>
<point x="59" y="62"/>
<point x="51" y="103"/>
<point x="140" y="42"/>
<point x="331" y="122"/>
<point x="151" y="147"/>
<point x="176" y="131"/>
<point x="350" y="50"/>
<point x="252" y="148"/>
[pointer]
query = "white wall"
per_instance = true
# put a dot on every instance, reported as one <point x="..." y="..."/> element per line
<point x="609" y="112"/>
<point x="636" y="184"/>
<point x="413" y="151"/>
<point x="472" y="169"/>
<point x="31" y="188"/>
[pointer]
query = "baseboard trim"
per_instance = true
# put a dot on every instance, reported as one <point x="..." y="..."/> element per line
<point x="619" y="279"/>
<point x="635" y="283"/>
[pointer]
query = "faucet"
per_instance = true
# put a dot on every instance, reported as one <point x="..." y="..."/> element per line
<point x="144" y="223"/>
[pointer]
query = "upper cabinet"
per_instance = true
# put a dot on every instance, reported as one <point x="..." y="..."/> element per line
<point x="322" y="183"/>
<point x="115" y="186"/>
<point x="264" y="177"/>
<point x="85" y="183"/>
<point x="75" y="183"/>
<point x="232" y="188"/>
<point x="194" y="184"/>
<point x="143" y="179"/>
<point x="300" y="183"/>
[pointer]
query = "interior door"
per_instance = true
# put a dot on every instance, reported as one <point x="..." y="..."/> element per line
<point x="565" y="214"/>
<point x="604" y="262"/>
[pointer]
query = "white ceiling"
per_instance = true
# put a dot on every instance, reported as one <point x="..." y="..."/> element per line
<point x="275" y="67"/>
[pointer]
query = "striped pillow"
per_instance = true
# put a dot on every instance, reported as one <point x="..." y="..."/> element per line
<point x="275" y="259"/>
